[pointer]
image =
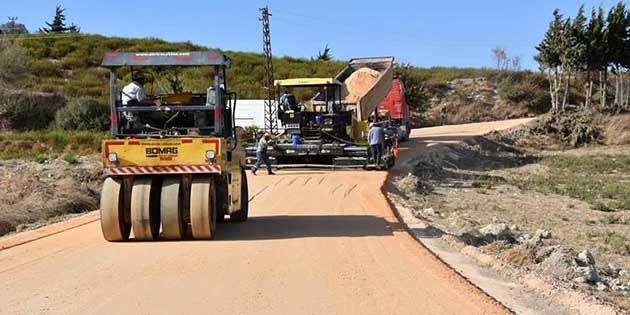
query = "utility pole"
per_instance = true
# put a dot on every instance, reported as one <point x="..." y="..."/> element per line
<point x="271" y="114"/>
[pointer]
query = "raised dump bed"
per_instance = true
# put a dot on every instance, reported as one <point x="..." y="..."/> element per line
<point x="356" y="94"/>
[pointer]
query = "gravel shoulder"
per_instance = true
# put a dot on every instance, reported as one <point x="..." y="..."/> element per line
<point x="463" y="194"/>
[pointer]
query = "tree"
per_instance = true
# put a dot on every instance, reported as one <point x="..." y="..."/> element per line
<point x="504" y="61"/>
<point x="617" y="41"/>
<point x="595" y="55"/>
<point x="58" y="25"/>
<point x="516" y="63"/>
<point x="572" y="50"/>
<point x="578" y="35"/>
<point x="500" y="57"/>
<point x="325" y="54"/>
<point x="548" y="57"/>
<point x="12" y="27"/>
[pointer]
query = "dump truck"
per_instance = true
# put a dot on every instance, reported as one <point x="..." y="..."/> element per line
<point x="329" y="129"/>
<point x="180" y="170"/>
<point x="396" y="106"/>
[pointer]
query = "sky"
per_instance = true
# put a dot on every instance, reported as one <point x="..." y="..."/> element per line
<point x="423" y="33"/>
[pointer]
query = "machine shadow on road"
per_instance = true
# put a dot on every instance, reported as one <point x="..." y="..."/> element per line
<point x="289" y="227"/>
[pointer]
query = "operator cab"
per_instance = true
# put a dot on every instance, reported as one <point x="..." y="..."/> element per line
<point x="325" y="114"/>
<point x="175" y="109"/>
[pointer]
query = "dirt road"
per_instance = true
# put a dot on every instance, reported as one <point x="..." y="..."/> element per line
<point x="317" y="242"/>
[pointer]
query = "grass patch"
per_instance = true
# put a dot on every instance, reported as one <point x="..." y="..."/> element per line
<point x="40" y="158"/>
<point x="614" y="219"/>
<point x="15" y="145"/>
<point x="485" y="181"/>
<point x="71" y="158"/>
<point x="617" y="243"/>
<point x="601" y="206"/>
<point x="601" y="180"/>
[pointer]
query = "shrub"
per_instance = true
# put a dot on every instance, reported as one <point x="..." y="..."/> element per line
<point x="83" y="113"/>
<point x="44" y="68"/>
<point x="600" y="206"/>
<point x="71" y="158"/>
<point x="28" y="110"/>
<point x="526" y="88"/>
<point x="40" y="158"/>
<point x="573" y="128"/>
<point x="617" y="242"/>
<point x="13" y="62"/>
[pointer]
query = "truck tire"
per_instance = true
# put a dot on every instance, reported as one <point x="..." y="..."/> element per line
<point x="223" y="205"/>
<point x="242" y="214"/>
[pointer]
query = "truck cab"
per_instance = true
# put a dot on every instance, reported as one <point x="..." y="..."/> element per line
<point x="395" y="104"/>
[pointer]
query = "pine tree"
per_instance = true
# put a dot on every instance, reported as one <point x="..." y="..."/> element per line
<point x="580" y="47"/>
<point x="548" y="57"/>
<point x="595" y="54"/>
<point x="324" y="55"/>
<point x="570" y="51"/>
<point x="58" y="25"/>
<point x="617" y="37"/>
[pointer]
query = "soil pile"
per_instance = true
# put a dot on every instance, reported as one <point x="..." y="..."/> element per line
<point x="32" y="193"/>
<point x="359" y="82"/>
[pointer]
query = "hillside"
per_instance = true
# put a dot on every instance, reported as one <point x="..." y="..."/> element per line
<point x="67" y="66"/>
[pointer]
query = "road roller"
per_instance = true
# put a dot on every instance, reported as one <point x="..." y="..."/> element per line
<point x="173" y="166"/>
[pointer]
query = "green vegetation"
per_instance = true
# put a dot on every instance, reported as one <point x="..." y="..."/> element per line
<point x="83" y="113"/>
<point x="28" y="110"/>
<point x="600" y="180"/>
<point x="40" y="158"/>
<point x="615" y="219"/>
<point x="575" y="128"/>
<point x="575" y="52"/>
<point x="12" y="62"/>
<point x="68" y="64"/>
<point x="71" y="158"/>
<point x="58" y="24"/>
<point x="617" y="243"/>
<point x="485" y="181"/>
<point x="528" y="88"/>
<point x="40" y="144"/>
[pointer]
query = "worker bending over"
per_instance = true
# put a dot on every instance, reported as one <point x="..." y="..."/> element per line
<point x="376" y="139"/>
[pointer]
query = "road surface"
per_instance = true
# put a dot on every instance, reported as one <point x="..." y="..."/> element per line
<point x="317" y="242"/>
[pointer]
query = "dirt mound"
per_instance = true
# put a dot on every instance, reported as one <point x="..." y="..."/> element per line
<point x="482" y="99"/>
<point x="617" y="129"/>
<point x="359" y="82"/>
<point x="31" y="193"/>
